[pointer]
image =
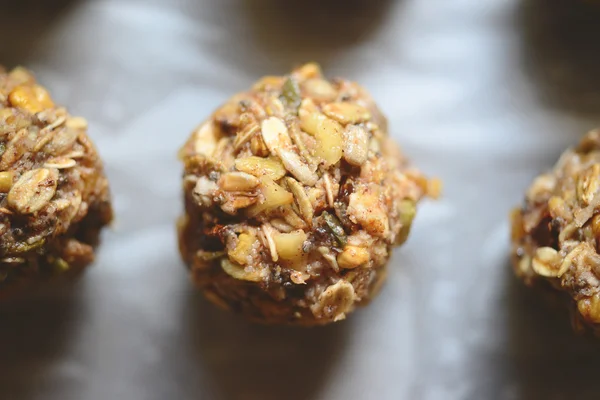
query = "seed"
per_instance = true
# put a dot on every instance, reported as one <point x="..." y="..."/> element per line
<point x="304" y="205"/>
<point x="60" y="163"/>
<point x="267" y="230"/>
<point x="298" y="168"/>
<point x="258" y="146"/>
<point x="239" y="272"/>
<point x="347" y="113"/>
<point x="290" y="94"/>
<point x="335" y="226"/>
<point x="271" y="167"/>
<point x="328" y="189"/>
<point x="336" y="300"/>
<point x="251" y="127"/>
<point x="320" y="89"/>
<point x="33" y="190"/>
<point x="588" y="184"/>
<point x="408" y="210"/>
<point x="275" y="134"/>
<point x="356" y="144"/>
<point x="61" y="141"/>
<point x="238" y="182"/>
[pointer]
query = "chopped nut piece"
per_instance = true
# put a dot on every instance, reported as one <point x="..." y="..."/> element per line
<point x="273" y="196"/>
<point x="353" y="257"/>
<point x="290" y="196"/>
<point x="329" y="136"/>
<point x="32" y="98"/>
<point x="289" y="246"/>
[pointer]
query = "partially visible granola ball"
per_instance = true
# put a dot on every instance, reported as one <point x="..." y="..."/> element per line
<point x="555" y="234"/>
<point x="294" y="197"/>
<point x="54" y="197"/>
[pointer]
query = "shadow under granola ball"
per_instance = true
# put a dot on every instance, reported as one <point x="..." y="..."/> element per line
<point x="54" y="197"/>
<point x="294" y="197"/>
<point x="555" y="234"/>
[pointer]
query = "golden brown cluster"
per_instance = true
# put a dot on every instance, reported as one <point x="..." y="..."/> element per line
<point x="294" y="197"/>
<point x="555" y="235"/>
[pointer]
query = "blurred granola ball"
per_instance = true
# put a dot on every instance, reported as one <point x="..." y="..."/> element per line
<point x="294" y="197"/>
<point x="555" y="235"/>
<point x="54" y="197"/>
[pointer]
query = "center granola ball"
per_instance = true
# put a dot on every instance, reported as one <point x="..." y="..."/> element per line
<point x="294" y="197"/>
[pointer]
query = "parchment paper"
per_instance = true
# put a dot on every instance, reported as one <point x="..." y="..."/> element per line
<point x="482" y="93"/>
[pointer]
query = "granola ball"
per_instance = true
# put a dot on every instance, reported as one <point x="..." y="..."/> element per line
<point x="54" y="197"/>
<point x="294" y="197"/>
<point x="555" y="234"/>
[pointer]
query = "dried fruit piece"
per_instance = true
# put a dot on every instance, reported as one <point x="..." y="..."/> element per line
<point x="273" y="196"/>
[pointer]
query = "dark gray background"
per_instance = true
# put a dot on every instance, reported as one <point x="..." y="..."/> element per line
<point x="483" y="93"/>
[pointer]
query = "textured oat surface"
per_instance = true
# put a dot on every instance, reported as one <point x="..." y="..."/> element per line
<point x="54" y="197"/>
<point x="555" y="234"/>
<point x="294" y="197"/>
<point x="484" y="94"/>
